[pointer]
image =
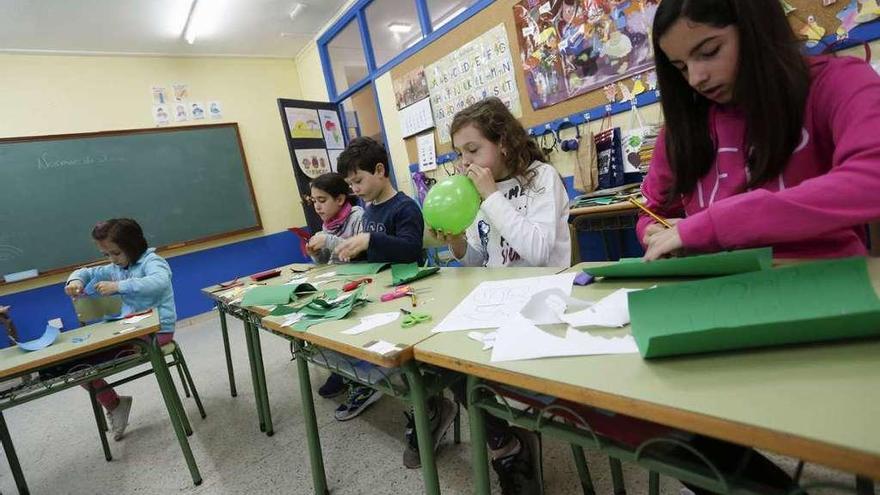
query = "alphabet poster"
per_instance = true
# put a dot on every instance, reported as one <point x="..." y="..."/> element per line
<point x="479" y="69"/>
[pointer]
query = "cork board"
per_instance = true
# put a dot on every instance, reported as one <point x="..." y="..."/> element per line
<point x="501" y="11"/>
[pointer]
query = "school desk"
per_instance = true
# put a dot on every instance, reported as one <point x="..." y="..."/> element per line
<point x="219" y="295"/>
<point x="397" y="373"/>
<point x="813" y="402"/>
<point x="97" y="337"/>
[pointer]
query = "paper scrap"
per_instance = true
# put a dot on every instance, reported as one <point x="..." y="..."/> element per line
<point x="290" y="320"/>
<point x="297" y="281"/>
<point x="372" y="321"/>
<point x="382" y="347"/>
<point x="131" y="320"/>
<point x="610" y="311"/>
<point x="487" y="339"/>
<point x="545" y="307"/>
<point x="493" y="303"/>
<point x="326" y="275"/>
<point x="56" y="322"/>
<point x="520" y="339"/>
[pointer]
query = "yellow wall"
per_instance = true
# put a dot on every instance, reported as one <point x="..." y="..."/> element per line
<point x="47" y="94"/>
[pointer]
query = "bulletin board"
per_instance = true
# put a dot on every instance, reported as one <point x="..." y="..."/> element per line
<point x="837" y="17"/>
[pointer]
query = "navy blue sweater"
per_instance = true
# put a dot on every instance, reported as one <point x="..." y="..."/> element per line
<point x="396" y="228"/>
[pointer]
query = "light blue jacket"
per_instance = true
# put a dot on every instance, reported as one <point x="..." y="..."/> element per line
<point x="143" y="285"/>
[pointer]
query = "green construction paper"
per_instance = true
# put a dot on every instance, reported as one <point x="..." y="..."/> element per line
<point x="361" y="268"/>
<point x="405" y="273"/>
<point x="704" y="265"/>
<point x="319" y="309"/>
<point x="282" y="310"/>
<point x="263" y="295"/>
<point x="799" y="303"/>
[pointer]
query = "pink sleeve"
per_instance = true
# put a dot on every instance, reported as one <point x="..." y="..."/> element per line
<point x="658" y="181"/>
<point x="848" y="99"/>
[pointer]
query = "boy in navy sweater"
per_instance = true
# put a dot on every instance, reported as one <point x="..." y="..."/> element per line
<point x="393" y="224"/>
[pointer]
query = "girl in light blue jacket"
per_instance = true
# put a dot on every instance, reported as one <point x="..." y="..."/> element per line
<point x="142" y="278"/>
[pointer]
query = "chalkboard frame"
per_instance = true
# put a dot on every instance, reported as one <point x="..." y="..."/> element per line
<point x="164" y="248"/>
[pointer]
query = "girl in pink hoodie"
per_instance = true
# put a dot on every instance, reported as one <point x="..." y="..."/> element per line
<point x="762" y="146"/>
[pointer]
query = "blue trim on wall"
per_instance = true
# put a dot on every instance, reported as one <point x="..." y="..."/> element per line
<point x="424" y="17"/>
<point x="31" y="309"/>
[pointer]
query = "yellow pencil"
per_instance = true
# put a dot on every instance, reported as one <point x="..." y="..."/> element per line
<point x="653" y="215"/>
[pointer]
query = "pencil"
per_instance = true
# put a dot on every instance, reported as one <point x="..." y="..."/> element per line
<point x="653" y="215"/>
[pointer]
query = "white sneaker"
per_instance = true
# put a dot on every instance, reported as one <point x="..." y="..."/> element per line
<point x="119" y="417"/>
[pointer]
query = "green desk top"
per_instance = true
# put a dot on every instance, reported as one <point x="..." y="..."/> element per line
<point x="816" y="402"/>
<point x="446" y="290"/>
<point x="14" y="361"/>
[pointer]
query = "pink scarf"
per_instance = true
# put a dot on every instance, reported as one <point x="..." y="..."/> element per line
<point x="340" y="217"/>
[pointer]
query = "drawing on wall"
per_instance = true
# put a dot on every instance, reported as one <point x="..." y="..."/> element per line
<point x="181" y="91"/>
<point x="570" y="47"/>
<point x="313" y="162"/>
<point x="334" y="159"/>
<point x="410" y="88"/>
<point x="197" y="110"/>
<point x="303" y="123"/>
<point x="160" y="114"/>
<point x="159" y="97"/>
<point x="332" y="129"/>
<point x="180" y="114"/>
<point x="215" y="109"/>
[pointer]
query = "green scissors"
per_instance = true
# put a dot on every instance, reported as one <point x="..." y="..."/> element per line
<point x="412" y="319"/>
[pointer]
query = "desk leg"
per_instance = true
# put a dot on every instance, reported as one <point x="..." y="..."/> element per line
<point x="173" y="405"/>
<point x="423" y="427"/>
<point x="261" y="378"/>
<point x="225" y="333"/>
<point x="864" y="486"/>
<point x="479" y="451"/>
<point x="20" y="483"/>
<point x="316" y="457"/>
<point x="249" y="339"/>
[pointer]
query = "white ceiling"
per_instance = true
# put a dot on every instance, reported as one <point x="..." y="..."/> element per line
<point x="251" y="28"/>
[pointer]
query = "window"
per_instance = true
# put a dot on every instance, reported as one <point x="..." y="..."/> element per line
<point x="443" y="11"/>
<point x="394" y="27"/>
<point x="347" y="60"/>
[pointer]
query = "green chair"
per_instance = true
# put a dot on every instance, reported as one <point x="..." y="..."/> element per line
<point x="90" y="309"/>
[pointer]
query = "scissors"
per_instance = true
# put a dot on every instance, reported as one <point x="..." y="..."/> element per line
<point x="412" y="319"/>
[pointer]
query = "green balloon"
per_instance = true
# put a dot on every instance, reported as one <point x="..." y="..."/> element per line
<point x="452" y="204"/>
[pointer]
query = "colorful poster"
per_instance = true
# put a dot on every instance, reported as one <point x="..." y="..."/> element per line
<point x="332" y="129"/>
<point x="160" y="114"/>
<point x="570" y="47"/>
<point x="313" y="162"/>
<point x="303" y="123"/>
<point x="410" y="88"/>
<point x="479" y="69"/>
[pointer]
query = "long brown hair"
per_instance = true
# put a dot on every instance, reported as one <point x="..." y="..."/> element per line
<point x="125" y="233"/>
<point x="498" y="125"/>
<point x="771" y="88"/>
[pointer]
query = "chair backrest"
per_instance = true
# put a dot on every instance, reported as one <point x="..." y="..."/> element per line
<point x="91" y="309"/>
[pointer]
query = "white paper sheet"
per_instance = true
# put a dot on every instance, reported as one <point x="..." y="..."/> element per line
<point x="487" y="339"/>
<point x="382" y="347"/>
<point x="610" y="311"/>
<point x="493" y="303"/>
<point x="131" y="320"/>
<point x="520" y="339"/>
<point x="372" y="321"/>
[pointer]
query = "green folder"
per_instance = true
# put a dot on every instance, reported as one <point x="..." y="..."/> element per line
<point x="405" y="273"/>
<point x="361" y="268"/>
<point x="704" y="265"/>
<point x="808" y="302"/>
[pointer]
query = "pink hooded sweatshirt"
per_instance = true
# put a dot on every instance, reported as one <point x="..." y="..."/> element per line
<point x="828" y="191"/>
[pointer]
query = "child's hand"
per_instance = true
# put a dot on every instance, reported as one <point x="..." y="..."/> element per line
<point x="73" y="288"/>
<point x="483" y="179"/>
<point x="316" y="243"/>
<point x="107" y="288"/>
<point x="663" y="243"/>
<point x="352" y="247"/>
<point x="457" y="243"/>
<point x="656" y="228"/>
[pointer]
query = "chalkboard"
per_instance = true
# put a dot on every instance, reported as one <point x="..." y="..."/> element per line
<point x="183" y="185"/>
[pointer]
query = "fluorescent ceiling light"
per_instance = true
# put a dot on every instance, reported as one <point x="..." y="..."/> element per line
<point x="297" y="7"/>
<point x="399" y="27"/>
<point x="189" y="30"/>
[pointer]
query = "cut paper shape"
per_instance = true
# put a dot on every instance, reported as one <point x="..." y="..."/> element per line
<point x="131" y="320"/>
<point x="361" y="268"/>
<point x="520" y="340"/>
<point x="705" y="265"/>
<point x="807" y="302"/>
<point x="611" y="311"/>
<point x="264" y="295"/>
<point x="50" y="335"/>
<point x="545" y="307"/>
<point x="372" y="321"/>
<point x="406" y="273"/>
<point x="493" y="303"/>
<point x="487" y="339"/>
